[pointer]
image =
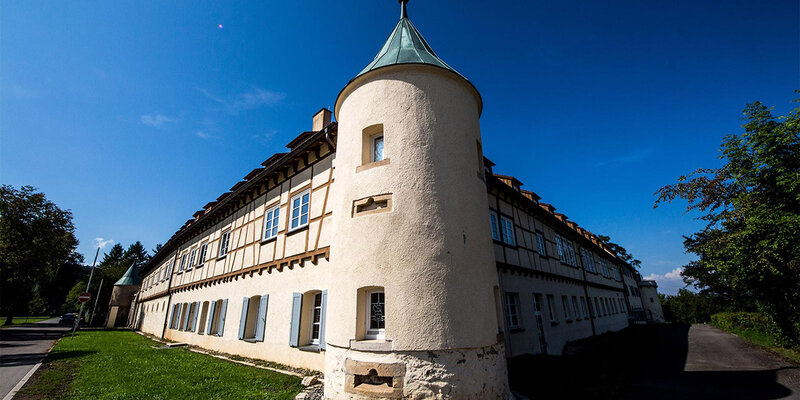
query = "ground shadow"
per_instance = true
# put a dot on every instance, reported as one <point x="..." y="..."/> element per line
<point x="636" y="363"/>
<point x="13" y="360"/>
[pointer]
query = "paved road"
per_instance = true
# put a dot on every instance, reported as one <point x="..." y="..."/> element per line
<point x="21" y="347"/>
<point x="719" y="365"/>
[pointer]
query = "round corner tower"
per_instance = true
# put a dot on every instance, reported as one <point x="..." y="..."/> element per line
<point x="411" y="310"/>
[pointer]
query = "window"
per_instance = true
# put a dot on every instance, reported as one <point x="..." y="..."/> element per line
<point x="377" y="147"/>
<point x="507" y="226"/>
<point x="575" y="308"/>
<point x="299" y="215"/>
<point x="512" y="310"/>
<point x="588" y="260"/>
<point x="571" y="254"/>
<point x="597" y="307"/>
<point x="583" y="308"/>
<point x="202" y="259"/>
<point x="183" y="263"/>
<point x="201" y="327"/>
<point x="192" y="257"/>
<point x="565" y="305"/>
<point x="216" y="325"/>
<point x="603" y="266"/>
<point x="550" y="308"/>
<point x="540" y="243"/>
<point x="376" y="315"/>
<point x="566" y="253"/>
<point x="561" y="253"/>
<point x="495" y="225"/>
<point x="604" y="305"/>
<point x="316" y="318"/>
<point x="271" y="220"/>
<point x="223" y="244"/>
<point x="254" y="317"/>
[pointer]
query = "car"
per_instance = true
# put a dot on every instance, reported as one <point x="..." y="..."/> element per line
<point x="67" y="319"/>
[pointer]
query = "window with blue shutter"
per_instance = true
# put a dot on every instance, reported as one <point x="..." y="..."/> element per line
<point x="211" y="317"/>
<point x="261" y="322"/>
<point x="243" y="320"/>
<point x="186" y="314"/>
<point x="294" y="331"/>
<point x="222" y="311"/>
<point x="195" y="311"/>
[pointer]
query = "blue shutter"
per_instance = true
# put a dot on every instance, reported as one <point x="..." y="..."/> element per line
<point x="322" y="320"/>
<point x="261" y="321"/>
<point x="243" y="320"/>
<point x="210" y="316"/>
<point x="294" y="332"/>
<point x="222" y="311"/>
<point x="178" y="320"/>
<point x="172" y="319"/>
<point x="185" y="325"/>
<point x="196" y="308"/>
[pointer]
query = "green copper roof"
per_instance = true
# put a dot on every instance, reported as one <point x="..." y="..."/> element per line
<point x="405" y="46"/>
<point x="131" y="277"/>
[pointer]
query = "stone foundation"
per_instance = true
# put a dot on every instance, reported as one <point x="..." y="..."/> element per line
<point x="478" y="374"/>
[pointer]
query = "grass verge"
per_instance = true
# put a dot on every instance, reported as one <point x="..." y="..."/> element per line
<point x="766" y="342"/>
<point x="124" y="365"/>
<point x="22" y="320"/>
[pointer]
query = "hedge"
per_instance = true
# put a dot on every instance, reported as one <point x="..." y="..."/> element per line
<point x="743" y="320"/>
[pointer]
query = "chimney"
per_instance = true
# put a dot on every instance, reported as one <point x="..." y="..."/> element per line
<point x="321" y="119"/>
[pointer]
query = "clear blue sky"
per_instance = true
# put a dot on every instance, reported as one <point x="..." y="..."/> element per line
<point x="135" y="114"/>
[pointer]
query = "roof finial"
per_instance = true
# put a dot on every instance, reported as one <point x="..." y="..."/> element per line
<point x="403" y="12"/>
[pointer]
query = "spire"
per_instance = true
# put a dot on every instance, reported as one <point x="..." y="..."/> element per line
<point x="405" y="46"/>
<point x="131" y="277"/>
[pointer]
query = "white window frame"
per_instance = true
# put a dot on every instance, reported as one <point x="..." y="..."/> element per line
<point x="192" y="257"/>
<point x="224" y="243"/>
<point x="378" y="334"/>
<point x="300" y="214"/>
<point x="507" y="222"/>
<point x="318" y="323"/>
<point x="512" y="311"/>
<point x="272" y="220"/>
<point x="373" y="140"/>
<point x="202" y="257"/>
<point x="182" y="265"/>
<point x="494" y="222"/>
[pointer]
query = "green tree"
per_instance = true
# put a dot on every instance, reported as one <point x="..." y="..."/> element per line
<point x="37" y="240"/>
<point x="749" y="249"/>
<point x="621" y="251"/>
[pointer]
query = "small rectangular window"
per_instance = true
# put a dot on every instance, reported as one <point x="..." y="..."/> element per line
<point x="551" y="308"/>
<point x="316" y="318"/>
<point x="183" y="264"/>
<point x="202" y="259"/>
<point x="192" y="258"/>
<point x="565" y="306"/>
<point x="512" y="310"/>
<point x="507" y="227"/>
<point x="540" y="244"/>
<point x="223" y="244"/>
<point x="584" y="308"/>
<point x="376" y="315"/>
<point x="562" y="253"/>
<point x="271" y="221"/>
<point x="575" y="308"/>
<point x="299" y="213"/>
<point x="377" y="148"/>
<point x="495" y="226"/>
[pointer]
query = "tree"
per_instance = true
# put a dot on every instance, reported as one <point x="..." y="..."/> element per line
<point x="750" y="246"/>
<point x="620" y="251"/>
<point x="113" y="265"/>
<point x="37" y="240"/>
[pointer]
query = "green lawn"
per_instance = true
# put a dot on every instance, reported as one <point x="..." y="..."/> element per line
<point x="22" y="320"/>
<point x="767" y="342"/>
<point x="125" y="365"/>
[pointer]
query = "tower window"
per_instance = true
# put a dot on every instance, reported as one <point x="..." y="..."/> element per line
<point x="376" y="315"/>
<point x="377" y="147"/>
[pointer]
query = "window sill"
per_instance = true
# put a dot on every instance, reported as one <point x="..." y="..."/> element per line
<point x="569" y="321"/>
<point x="312" y="348"/>
<point x="250" y="340"/>
<point x="269" y="239"/>
<point x="179" y="272"/>
<point x="374" y="164"/>
<point x="200" y="266"/>
<point x="187" y="269"/>
<point x="295" y="230"/>
<point x="516" y="330"/>
<point x="371" y="345"/>
<point x="222" y="256"/>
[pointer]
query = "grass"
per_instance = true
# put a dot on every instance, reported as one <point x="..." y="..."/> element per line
<point x="766" y="342"/>
<point x="22" y="320"/>
<point x="125" y="365"/>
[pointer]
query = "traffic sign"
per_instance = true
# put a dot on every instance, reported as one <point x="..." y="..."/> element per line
<point x="84" y="297"/>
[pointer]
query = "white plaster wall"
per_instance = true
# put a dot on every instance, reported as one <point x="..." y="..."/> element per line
<point x="652" y="303"/>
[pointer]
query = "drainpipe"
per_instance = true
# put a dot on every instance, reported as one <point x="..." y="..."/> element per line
<point x="588" y="301"/>
<point x="329" y="139"/>
<point x="169" y="293"/>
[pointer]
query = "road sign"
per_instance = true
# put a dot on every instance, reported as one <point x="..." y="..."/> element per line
<point x="84" y="297"/>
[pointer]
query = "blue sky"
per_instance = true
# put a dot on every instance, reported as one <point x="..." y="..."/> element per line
<point x="135" y="114"/>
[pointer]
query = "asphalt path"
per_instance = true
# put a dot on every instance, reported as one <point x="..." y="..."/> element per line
<point x="719" y="365"/>
<point x="22" y="347"/>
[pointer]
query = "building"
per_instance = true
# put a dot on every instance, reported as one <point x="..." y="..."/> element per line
<point x="651" y="302"/>
<point x="122" y="295"/>
<point x="382" y="250"/>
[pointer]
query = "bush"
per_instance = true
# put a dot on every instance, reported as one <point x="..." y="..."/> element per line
<point x="743" y="320"/>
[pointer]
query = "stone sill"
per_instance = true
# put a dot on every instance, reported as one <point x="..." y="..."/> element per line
<point x="371" y="345"/>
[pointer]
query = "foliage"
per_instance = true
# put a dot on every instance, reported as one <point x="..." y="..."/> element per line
<point x="755" y="328"/>
<point x="620" y="251"/>
<point x="688" y="307"/>
<point x="750" y="248"/>
<point x="124" y="365"/>
<point x="37" y="251"/>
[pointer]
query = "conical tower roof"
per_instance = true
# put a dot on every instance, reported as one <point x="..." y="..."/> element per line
<point x="131" y="277"/>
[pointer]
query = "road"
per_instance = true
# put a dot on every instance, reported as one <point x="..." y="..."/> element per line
<point x="719" y="365"/>
<point x="22" y="346"/>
